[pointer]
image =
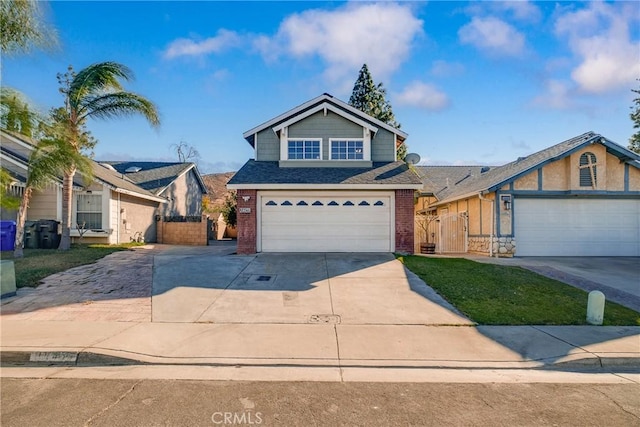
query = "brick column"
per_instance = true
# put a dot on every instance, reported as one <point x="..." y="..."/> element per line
<point x="247" y="236"/>
<point x="404" y="221"/>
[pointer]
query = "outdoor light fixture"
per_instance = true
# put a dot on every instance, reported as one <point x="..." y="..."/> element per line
<point x="246" y="198"/>
<point x="506" y="200"/>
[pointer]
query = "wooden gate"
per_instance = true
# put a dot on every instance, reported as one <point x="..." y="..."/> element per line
<point x="453" y="233"/>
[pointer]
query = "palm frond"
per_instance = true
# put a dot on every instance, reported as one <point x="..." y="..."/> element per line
<point x="51" y="158"/>
<point x="98" y="78"/>
<point x="120" y="104"/>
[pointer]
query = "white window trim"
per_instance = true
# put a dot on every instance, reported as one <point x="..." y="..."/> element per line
<point x="366" y="149"/>
<point x="319" y="140"/>
<point x="104" y="209"/>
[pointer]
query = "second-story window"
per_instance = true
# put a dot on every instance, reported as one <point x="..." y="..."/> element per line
<point x="304" y="149"/>
<point x="347" y="149"/>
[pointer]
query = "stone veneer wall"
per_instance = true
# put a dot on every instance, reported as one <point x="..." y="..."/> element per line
<point x="502" y="246"/>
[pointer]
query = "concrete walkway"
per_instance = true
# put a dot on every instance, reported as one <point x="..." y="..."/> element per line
<point x="326" y="316"/>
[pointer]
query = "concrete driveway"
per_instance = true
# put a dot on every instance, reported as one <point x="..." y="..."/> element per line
<point x="617" y="277"/>
<point x="353" y="288"/>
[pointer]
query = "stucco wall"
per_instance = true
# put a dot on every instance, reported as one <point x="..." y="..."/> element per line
<point x="527" y="182"/>
<point x="555" y="175"/>
<point x="185" y="197"/>
<point x="137" y="215"/>
<point x="43" y="204"/>
<point x="634" y="179"/>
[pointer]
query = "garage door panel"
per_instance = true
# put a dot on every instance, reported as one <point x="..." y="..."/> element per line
<point x="577" y="227"/>
<point x="326" y="222"/>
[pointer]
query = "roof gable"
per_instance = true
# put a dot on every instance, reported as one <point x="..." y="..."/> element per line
<point x="156" y="176"/>
<point x="324" y="101"/>
<point x="497" y="177"/>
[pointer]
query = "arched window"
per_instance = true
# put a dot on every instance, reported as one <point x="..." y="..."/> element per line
<point x="588" y="173"/>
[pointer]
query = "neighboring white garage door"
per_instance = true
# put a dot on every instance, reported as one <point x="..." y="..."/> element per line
<point x="325" y="221"/>
<point x="577" y="227"/>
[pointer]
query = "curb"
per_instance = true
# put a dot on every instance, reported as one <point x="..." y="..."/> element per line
<point x="94" y="359"/>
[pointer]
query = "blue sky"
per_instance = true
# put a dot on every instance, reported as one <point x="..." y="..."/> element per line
<point x="470" y="82"/>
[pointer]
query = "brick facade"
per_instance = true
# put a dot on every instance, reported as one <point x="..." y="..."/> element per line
<point x="247" y="232"/>
<point x="183" y="233"/>
<point x="404" y="221"/>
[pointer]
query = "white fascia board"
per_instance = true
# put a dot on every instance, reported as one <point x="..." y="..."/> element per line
<point x="324" y="186"/>
<point x="321" y="107"/>
<point x="462" y="197"/>
<point x="138" y="195"/>
<point x="283" y="116"/>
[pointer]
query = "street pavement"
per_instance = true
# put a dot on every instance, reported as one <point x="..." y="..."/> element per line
<point x="299" y="317"/>
<point x="125" y="402"/>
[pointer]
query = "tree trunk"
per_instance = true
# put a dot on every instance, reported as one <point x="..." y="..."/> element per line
<point x="22" y="217"/>
<point x="67" y="202"/>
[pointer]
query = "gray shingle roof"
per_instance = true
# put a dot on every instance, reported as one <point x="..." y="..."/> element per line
<point x="154" y="176"/>
<point x="438" y="178"/>
<point x="496" y="177"/>
<point x="391" y="173"/>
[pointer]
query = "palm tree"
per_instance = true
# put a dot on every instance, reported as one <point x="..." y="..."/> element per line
<point x="46" y="164"/>
<point x="22" y="27"/>
<point x="96" y="92"/>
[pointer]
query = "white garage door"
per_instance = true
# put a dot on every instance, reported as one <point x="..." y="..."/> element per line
<point x="577" y="227"/>
<point x="326" y="222"/>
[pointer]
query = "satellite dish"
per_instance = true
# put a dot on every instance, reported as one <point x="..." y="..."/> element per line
<point x="412" y="158"/>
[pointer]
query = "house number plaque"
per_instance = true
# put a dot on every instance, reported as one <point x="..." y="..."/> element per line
<point x="245" y="210"/>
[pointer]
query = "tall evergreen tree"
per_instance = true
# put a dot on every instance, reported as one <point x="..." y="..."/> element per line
<point x="371" y="99"/>
<point x="634" y="141"/>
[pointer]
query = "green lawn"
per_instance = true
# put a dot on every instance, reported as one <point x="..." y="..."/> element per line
<point x="40" y="263"/>
<point x="500" y="295"/>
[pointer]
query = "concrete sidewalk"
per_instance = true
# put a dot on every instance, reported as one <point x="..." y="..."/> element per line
<point x="320" y="317"/>
<point x="320" y="345"/>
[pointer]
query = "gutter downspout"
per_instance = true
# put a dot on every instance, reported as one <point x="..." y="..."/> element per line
<point x="492" y="223"/>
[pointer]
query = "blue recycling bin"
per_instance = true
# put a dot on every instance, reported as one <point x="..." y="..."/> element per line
<point x="7" y="235"/>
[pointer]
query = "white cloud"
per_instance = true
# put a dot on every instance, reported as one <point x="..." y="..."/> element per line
<point x="556" y="95"/>
<point x="599" y="36"/>
<point x="442" y="68"/>
<point x="520" y="10"/>
<point x="493" y="35"/>
<point x="223" y="40"/>
<point x="378" y="34"/>
<point x="423" y="95"/>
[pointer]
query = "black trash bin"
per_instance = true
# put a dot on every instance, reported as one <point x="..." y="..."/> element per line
<point x="49" y="237"/>
<point x="31" y="234"/>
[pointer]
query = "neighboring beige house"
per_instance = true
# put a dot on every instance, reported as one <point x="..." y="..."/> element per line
<point x="580" y="197"/>
<point x="114" y="207"/>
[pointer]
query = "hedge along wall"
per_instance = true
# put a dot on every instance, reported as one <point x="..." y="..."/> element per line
<point x="183" y="231"/>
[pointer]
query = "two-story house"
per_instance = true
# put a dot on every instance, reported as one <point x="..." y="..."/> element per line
<point x="325" y="179"/>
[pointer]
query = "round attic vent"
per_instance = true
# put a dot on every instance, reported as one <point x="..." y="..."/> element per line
<point x="133" y="169"/>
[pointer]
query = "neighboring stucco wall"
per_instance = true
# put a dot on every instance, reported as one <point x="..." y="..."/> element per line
<point x="137" y="215"/>
<point x="555" y="176"/>
<point x="44" y="204"/>
<point x="634" y="179"/>
<point x="185" y="196"/>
